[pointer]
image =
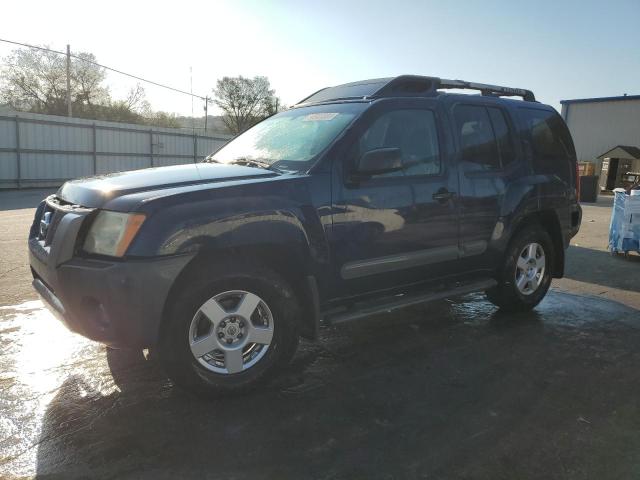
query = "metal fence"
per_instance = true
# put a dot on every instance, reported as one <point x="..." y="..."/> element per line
<point x="46" y="150"/>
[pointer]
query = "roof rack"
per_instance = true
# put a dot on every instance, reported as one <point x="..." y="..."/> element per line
<point x="409" y="85"/>
<point x="490" y="90"/>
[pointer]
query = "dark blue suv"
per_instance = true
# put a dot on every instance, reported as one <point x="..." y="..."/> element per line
<point x="363" y="198"/>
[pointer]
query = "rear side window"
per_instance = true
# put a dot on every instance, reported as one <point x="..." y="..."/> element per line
<point x="551" y="142"/>
<point x="484" y="135"/>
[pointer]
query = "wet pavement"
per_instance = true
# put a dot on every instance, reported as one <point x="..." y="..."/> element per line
<point x="453" y="390"/>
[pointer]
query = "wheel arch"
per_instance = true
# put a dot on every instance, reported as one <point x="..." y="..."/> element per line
<point x="290" y="264"/>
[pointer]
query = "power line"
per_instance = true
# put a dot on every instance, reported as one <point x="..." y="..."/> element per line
<point x="106" y="68"/>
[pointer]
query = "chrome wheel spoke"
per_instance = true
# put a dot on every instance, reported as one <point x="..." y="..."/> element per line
<point x="532" y="251"/>
<point x="261" y="335"/>
<point x="535" y="281"/>
<point x="522" y="264"/>
<point x="541" y="262"/>
<point x="247" y="305"/>
<point x="204" y="345"/>
<point x="213" y="311"/>
<point x="233" y="360"/>
<point x="522" y="282"/>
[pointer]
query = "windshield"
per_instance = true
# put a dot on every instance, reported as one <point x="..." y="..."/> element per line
<point x="290" y="140"/>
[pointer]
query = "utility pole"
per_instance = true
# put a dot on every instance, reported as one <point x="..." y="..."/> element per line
<point x="193" y="120"/>
<point x="69" y="113"/>
<point x="206" y="113"/>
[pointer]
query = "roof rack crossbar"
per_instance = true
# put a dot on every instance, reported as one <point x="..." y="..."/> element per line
<point x="485" y="89"/>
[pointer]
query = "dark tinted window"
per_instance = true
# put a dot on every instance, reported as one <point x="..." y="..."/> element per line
<point x="551" y="142"/>
<point x="414" y="132"/>
<point x="503" y="136"/>
<point x="548" y="133"/>
<point x="349" y="90"/>
<point x="477" y="141"/>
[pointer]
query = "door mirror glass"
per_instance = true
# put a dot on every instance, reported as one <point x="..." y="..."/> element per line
<point x="379" y="161"/>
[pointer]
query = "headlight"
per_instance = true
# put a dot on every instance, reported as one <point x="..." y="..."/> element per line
<point x="111" y="233"/>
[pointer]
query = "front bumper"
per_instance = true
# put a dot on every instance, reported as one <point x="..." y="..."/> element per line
<point x="116" y="302"/>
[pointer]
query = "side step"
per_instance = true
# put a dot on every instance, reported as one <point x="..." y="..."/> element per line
<point x="390" y="304"/>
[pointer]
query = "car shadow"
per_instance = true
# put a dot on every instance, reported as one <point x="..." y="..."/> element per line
<point x="454" y="389"/>
<point x="601" y="268"/>
<point x="604" y="201"/>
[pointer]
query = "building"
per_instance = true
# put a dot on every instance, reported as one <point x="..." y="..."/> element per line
<point x="606" y="132"/>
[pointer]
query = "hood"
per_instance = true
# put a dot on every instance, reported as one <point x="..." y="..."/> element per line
<point x="94" y="192"/>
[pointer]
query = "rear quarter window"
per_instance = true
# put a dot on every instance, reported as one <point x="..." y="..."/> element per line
<point x="551" y="144"/>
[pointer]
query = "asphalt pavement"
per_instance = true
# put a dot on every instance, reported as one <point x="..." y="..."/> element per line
<point x="452" y="390"/>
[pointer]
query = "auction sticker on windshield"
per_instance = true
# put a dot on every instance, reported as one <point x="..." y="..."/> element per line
<point x="319" y="117"/>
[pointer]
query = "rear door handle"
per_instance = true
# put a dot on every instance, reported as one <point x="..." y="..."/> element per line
<point x="443" y="195"/>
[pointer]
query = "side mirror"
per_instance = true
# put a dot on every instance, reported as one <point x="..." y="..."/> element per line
<point x="378" y="161"/>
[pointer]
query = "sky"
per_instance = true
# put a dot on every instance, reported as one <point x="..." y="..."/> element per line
<point x="559" y="49"/>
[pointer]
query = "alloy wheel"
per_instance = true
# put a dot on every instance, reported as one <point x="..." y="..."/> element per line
<point x="530" y="268"/>
<point x="231" y="332"/>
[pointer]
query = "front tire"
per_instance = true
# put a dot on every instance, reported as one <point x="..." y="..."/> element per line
<point x="525" y="276"/>
<point x="230" y="332"/>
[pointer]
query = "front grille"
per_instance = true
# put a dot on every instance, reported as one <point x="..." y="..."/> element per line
<point x="51" y="231"/>
<point x="48" y="217"/>
<point x="47" y="222"/>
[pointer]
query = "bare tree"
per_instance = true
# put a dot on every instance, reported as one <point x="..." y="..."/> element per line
<point x="244" y="101"/>
<point x="136" y="100"/>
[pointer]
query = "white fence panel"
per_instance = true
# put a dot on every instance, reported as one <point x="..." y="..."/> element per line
<point x="8" y="167"/>
<point x="7" y="133"/>
<point x="56" y="167"/>
<point x="110" y="164"/>
<point x="43" y="136"/>
<point x="172" y="145"/>
<point x="209" y="145"/>
<point x="120" y="141"/>
<point x="46" y="150"/>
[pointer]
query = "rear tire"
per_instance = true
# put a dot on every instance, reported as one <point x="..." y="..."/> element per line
<point x="230" y="331"/>
<point x="525" y="276"/>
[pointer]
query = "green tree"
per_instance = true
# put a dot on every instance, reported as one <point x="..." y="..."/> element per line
<point x="244" y="101"/>
<point x="35" y="81"/>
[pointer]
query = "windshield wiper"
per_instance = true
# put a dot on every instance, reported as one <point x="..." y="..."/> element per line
<point x="248" y="162"/>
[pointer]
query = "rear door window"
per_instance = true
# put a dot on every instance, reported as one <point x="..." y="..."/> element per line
<point x="503" y="135"/>
<point x="486" y="140"/>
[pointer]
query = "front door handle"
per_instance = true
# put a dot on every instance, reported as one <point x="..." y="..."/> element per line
<point x="443" y="195"/>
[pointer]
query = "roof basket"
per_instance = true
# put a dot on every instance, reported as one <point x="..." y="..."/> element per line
<point x="416" y="85"/>
<point x="409" y="85"/>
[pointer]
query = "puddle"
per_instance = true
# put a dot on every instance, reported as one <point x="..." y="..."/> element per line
<point x="38" y="354"/>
